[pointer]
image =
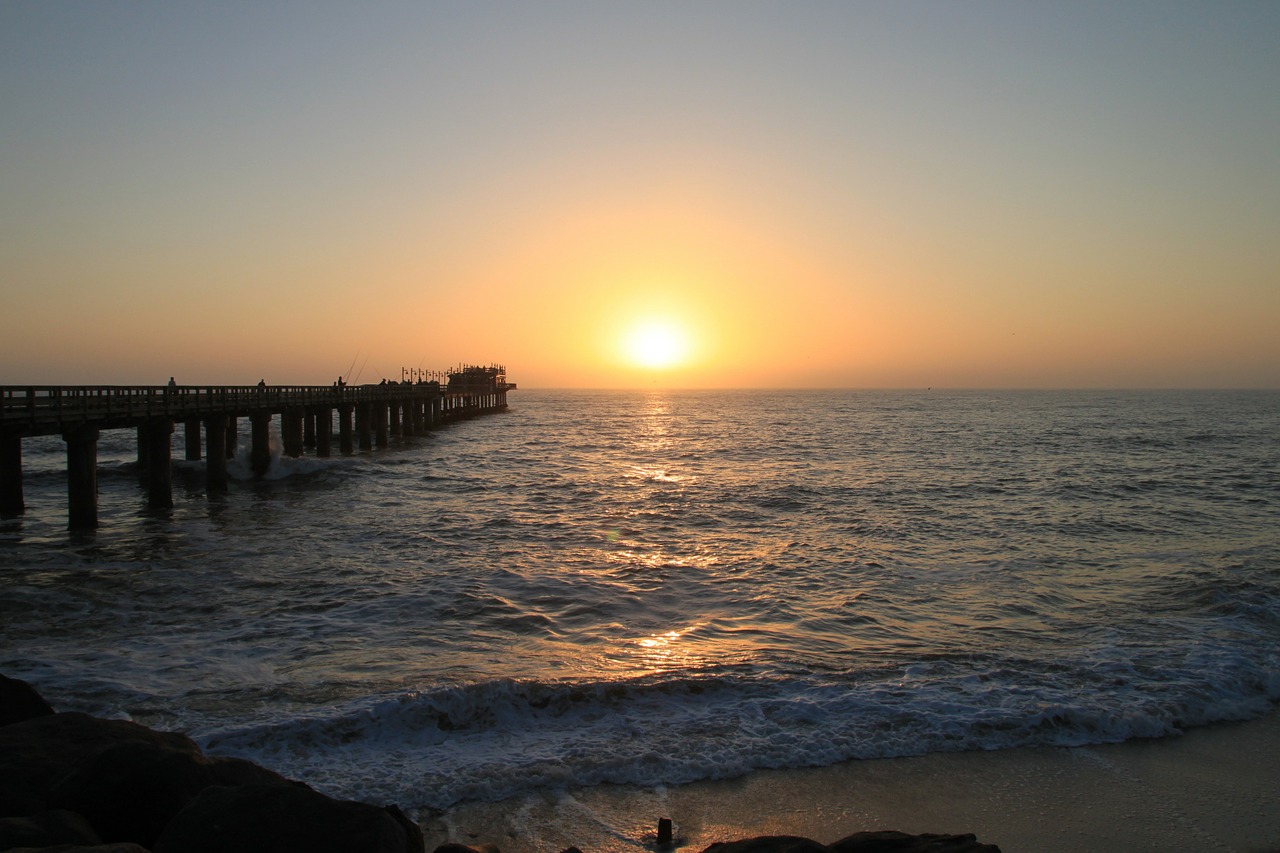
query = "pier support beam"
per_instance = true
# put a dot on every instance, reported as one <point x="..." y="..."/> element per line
<point x="159" y="434"/>
<point x="193" y="439"/>
<point x="309" y="416"/>
<point x="413" y="417"/>
<point x="322" y="417"/>
<point x="380" y="424"/>
<point x="82" y="478"/>
<point x="11" y="502"/>
<point x="260" y="452"/>
<point x="292" y="432"/>
<point x="345" y="443"/>
<point x="363" y="416"/>
<point x="393" y="427"/>
<point x="233" y="437"/>
<point x="215" y="466"/>
<point x="142" y="450"/>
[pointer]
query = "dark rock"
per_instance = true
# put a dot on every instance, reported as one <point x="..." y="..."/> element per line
<point x="860" y="842"/>
<point x="19" y="701"/>
<point x="127" y="780"/>
<point x="900" y="842"/>
<point x="46" y="829"/>
<point x="768" y="844"/>
<point x="36" y="753"/>
<point x="285" y="819"/>
<point x="413" y="832"/>
<point x="455" y="847"/>
<point x="130" y="790"/>
<point x="123" y="847"/>
<point x="239" y="771"/>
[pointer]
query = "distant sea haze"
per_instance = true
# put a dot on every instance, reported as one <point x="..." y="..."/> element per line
<point x="659" y="587"/>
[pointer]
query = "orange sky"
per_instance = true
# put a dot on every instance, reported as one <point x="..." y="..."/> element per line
<point x="859" y="195"/>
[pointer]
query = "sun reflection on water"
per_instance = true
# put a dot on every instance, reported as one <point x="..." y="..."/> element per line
<point x="663" y="652"/>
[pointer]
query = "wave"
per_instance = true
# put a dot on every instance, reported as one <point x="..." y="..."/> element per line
<point x="499" y="738"/>
<point x="465" y="617"/>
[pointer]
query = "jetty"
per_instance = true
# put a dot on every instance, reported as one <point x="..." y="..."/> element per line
<point x="367" y="416"/>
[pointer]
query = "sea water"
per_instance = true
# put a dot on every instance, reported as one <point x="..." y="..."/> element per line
<point x="658" y="587"/>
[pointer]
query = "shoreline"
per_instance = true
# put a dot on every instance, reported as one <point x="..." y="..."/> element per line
<point x="1213" y="787"/>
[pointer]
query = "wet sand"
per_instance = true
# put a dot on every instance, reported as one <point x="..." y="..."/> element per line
<point x="1214" y="788"/>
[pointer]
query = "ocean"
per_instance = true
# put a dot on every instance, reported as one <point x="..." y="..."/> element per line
<point x="657" y="587"/>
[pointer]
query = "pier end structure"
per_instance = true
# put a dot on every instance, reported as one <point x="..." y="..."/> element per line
<point x="80" y="413"/>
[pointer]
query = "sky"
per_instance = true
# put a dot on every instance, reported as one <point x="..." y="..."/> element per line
<point x="783" y="194"/>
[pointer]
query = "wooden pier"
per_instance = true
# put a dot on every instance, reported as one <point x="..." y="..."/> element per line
<point x="367" y="416"/>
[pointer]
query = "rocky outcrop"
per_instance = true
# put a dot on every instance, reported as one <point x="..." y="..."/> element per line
<point x="112" y="786"/>
<point x="270" y="818"/>
<point x="131" y="790"/>
<point x="769" y="844"/>
<point x="125" y="779"/>
<point x="36" y="754"/>
<point x="19" y="701"/>
<point x="860" y="842"/>
<point x="123" y="847"/>
<point x="900" y="842"/>
<point x="46" y="829"/>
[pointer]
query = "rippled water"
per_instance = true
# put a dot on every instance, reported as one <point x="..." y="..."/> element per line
<point x="660" y="587"/>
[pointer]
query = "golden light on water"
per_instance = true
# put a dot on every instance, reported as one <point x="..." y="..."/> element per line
<point x="664" y="652"/>
<point x="662" y="641"/>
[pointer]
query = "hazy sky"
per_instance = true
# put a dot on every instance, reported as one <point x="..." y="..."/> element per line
<point x="855" y="194"/>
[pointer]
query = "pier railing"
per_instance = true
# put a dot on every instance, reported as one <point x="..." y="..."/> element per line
<point x="49" y="409"/>
<point x="367" y="416"/>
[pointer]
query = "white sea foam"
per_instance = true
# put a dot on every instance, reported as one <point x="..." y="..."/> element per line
<point x="496" y="739"/>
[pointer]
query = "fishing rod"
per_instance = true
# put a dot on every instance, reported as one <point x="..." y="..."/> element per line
<point x="362" y="364"/>
<point x="353" y="364"/>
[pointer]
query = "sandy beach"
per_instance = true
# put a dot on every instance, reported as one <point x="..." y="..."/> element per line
<point x="1214" y="788"/>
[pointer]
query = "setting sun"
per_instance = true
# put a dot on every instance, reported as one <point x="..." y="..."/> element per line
<point x="656" y="344"/>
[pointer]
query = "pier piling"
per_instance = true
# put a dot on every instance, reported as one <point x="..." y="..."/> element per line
<point x="345" y="443"/>
<point x="260" y="450"/>
<point x="292" y="432"/>
<point x="79" y="413"/>
<point x="192" y="437"/>
<point x="233" y="437"/>
<point x="324" y="431"/>
<point x="11" y="500"/>
<point x="364" y="414"/>
<point x="215" y="466"/>
<point x="82" y="477"/>
<point x="379" y="411"/>
<point x="159" y="432"/>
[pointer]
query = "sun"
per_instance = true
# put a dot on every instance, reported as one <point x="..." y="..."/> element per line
<point x="656" y="344"/>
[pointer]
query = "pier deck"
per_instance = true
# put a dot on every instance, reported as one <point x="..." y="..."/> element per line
<point x="367" y="415"/>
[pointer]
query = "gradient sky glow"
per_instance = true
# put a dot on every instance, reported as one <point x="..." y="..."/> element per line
<point x="854" y="194"/>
